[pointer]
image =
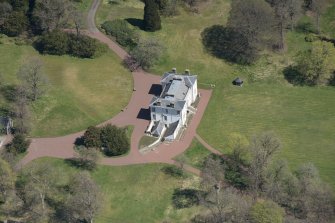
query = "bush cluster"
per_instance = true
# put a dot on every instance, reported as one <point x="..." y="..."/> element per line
<point x="123" y="34"/>
<point x="19" y="144"/>
<point x="60" y="43"/>
<point x="111" y="139"/>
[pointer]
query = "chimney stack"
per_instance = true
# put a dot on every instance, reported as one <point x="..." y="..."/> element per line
<point x="174" y="70"/>
<point x="187" y="72"/>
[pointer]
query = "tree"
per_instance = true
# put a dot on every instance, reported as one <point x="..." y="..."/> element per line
<point x="85" y="199"/>
<point x="32" y="77"/>
<point x="229" y="44"/>
<point x="254" y="20"/>
<point x="315" y="65"/>
<point x="86" y="158"/>
<point x="92" y="137"/>
<point x="19" y="144"/>
<point x="15" y="24"/>
<point x="152" y="20"/>
<point x="77" y="17"/>
<point x="315" y="199"/>
<point x="147" y="52"/>
<point x="51" y="14"/>
<point x="38" y="184"/>
<point x="55" y="42"/>
<point x="318" y="6"/>
<point x="295" y="11"/>
<point x="285" y="11"/>
<point x="5" y="10"/>
<point x="266" y="212"/>
<point x="228" y="206"/>
<point x="212" y="176"/>
<point x="262" y="149"/>
<point x="114" y="140"/>
<point x="21" y="111"/>
<point x="7" y="180"/>
<point x="9" y="202"/>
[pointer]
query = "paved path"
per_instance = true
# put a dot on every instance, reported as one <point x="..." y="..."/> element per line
<point x="62" y="147"/>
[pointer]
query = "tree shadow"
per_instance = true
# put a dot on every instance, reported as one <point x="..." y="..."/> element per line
<point x="9" y="92"/>
<point x="156" y="89"/>
<point x="292" y="75"/>
<point x="144" y="113"/>
<point x="139" y="23"/>
<point x="332" y="80"/>
<point x="79" y="141"/>
<point x="185" y="198"/>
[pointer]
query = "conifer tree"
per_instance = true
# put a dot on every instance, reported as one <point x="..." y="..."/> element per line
<point x="152" y="20"/>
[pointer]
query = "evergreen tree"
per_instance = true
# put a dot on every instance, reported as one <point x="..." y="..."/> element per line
<point x="152" y="20"/>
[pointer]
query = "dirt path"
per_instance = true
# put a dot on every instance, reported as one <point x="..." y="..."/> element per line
<point x="62" y="147"/>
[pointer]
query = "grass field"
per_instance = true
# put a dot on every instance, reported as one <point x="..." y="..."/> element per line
<point x="195" y="155"/>
<point x="139" y="193"/>
<point x="81" y="92"/>
<point x="303" y="117"/>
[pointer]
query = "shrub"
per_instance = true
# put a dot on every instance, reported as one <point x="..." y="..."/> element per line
<point x="123" y="34"/>
<point x="84" y="46"/>
<point x="173" y="171"/>
<point x="15" y="24"/>
<point x="114" y="140"/>
<point x="147" y="52"/>
<point x="266" y="212"/>
<point x="91" y="137"/>
<point x="54" y="43"/>
<point x="19" y="144"/>
<point x="185" y="198"/>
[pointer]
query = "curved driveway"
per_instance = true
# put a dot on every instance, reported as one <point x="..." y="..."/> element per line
<point x="62" y="147"/>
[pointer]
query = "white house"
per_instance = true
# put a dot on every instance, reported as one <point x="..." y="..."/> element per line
<point x="169" y="111"/>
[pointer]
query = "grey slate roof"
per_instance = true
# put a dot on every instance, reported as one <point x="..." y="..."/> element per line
<point x="171" y="129"/>
<point x="157" y="128"/>
<point x="175" y="90"/>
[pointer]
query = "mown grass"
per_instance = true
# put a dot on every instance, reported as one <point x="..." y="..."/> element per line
<point x="301" y="116"/>
<point x="81" y="92"/>
<point x="138" y="193"/>
<point x="146" y="141"/>
<point x="195" y="155"/>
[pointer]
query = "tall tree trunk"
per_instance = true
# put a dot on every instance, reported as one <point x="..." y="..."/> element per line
<point x="282" y="38"/>
<point x="318" y="22"/>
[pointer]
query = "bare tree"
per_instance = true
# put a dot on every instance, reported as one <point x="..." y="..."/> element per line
<point x="52" y="14"/>
<point x="262" y="148"/>
<point x="32" y="77"/>
<point x="77" y="17"/>
<point x="21" y="111"/>
<point x="285" y="11"/>
<point x="85" y="200"/>
<point x="212" y="175"/>
<point x="41" y="183"/>
<point x="5" y="10"/>
<point x="318" y="6"/>
<point x="87" y="158"/>
<point x="232" y="206"/>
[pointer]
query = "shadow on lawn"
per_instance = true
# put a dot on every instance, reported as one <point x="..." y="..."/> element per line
<point x="139" y="23"/>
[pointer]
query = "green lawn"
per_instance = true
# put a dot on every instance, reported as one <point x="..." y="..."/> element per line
<point x="133" y="194"/>
<point x="303" y="117"/>
<point x="81" y="92"/>
<point x="195" y="155"/>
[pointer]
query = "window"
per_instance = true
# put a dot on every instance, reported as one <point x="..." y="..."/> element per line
<point x="154" y="117"/>
<point x="178" y="112"/>
<point x="166" y="111"/>
<point x="153" y="109"/>
<point x="165" y="118"/>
